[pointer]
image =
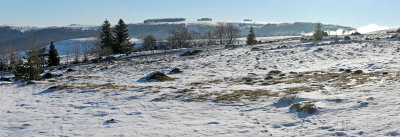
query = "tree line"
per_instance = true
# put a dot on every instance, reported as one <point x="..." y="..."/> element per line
<point x="30" y="66"/>
<point x="182" y="37"/>
<point x="115" y="40"/>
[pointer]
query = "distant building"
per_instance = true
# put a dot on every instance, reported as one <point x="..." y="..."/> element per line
<point x="247" y="20"/>
<point x="204" y="19"/>
<point x="164" y="20"/>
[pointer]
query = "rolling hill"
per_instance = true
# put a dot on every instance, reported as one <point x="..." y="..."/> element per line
<point x="26" y="37"/>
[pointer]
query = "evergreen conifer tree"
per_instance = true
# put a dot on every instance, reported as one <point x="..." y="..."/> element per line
<point x="31" y="69"/>
<point x="54" y="59"/>
<point x="20" y="71"/>
<point x="121" y="37"/>
<point x="106" y="37"/>
<point x="318" y="33"/>
<point x="251" y="38"/>
<point x="42" y="55"/>
<point x="12" y="58"/>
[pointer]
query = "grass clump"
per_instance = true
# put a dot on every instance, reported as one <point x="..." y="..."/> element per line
<point x="175" y="71"/>
<point x="159" y="99"/>
<point x="287" y="99"/>
<point x="342" y="80"/>
<point x="275" y="72"/>
<point x="89" y="86"/>
<point x="305" y="89"/>
<point x="60" y="87"/>
<point x="159" y="76"/>
<point x="305" y="106"/>
<point x="248" y="94"/>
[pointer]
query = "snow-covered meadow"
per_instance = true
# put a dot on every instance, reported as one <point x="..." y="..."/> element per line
<point x="221" y="92"/>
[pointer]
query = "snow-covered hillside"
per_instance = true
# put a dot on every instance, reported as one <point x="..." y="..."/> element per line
<point x="35" y="28"/>
<point x="20" y="28"/>
<point x="232" y="91"/>
<point x="21" y="37"/>
<point x="67" y="46"/>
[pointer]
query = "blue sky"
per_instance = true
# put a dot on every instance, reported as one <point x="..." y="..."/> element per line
<point x="353" y="13"/>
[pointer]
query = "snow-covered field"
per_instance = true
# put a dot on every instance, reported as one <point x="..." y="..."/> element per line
<point x="221" y="92"/>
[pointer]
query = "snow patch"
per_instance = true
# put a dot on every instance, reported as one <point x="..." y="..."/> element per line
<point x="371" y="28"/>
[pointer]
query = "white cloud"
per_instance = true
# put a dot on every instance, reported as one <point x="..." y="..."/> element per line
<point x="371" y="28"/>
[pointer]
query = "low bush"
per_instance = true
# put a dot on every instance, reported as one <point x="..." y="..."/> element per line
<point x="347" y="38"/>
<point x="48" y="75"/>
<point x="358" y="72"/>
<point x="396" y="36"/>
<point x="355" y="33"/>
<point x="5" y="79"/>
<point x="70" y="70"/>
<point x="319" y="50"/>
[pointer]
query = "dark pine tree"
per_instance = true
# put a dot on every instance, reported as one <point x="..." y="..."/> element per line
<point x="106" y="38"/>
<point x="54" y="59"/>
<point x="318" y="33"/>
<point x="251" y="38"/>
<point x="31" y="69"/>
<point x="121" y="38"/>
<point x="43" y="56"/>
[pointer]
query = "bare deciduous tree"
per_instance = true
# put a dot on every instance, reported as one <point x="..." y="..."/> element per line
<point x="150" y="43"/>
<point x="220" y="32"/>
<point x="194" y="38"/>
<point x="179" y="37"/>
<point x="88" y="48"/>
<point x="76" y="52"/>
<point x="232" y="33"/>
<point x="67" y="52"/>
<point x="209" y="37"/>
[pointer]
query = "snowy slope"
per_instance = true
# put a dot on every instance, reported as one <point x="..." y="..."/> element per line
<point x="35" y="28"/>
<point x="23" y="37"/>
<point x="68" y="46"/>
<point x="20" y="28"/>
<point x="97" y="93"/>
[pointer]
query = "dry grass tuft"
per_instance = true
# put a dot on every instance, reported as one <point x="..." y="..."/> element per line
<point x="90" y="86"/>
<point x="305" y="89"/>
<point x="159" y="76"/>
<point x="237" y="95"/>
<point x="82" y="77"/>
